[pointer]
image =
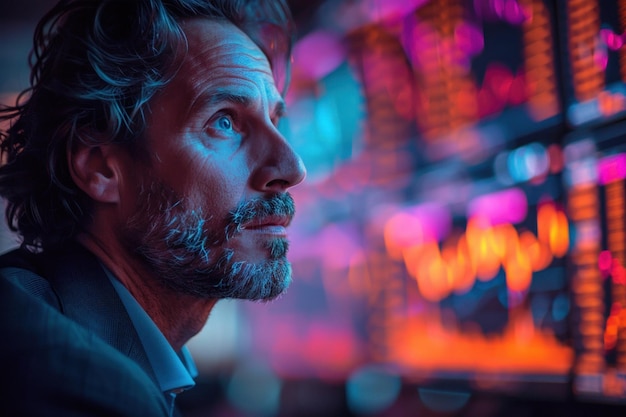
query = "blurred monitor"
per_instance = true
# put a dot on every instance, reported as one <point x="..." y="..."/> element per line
<point x="471" y="232"/>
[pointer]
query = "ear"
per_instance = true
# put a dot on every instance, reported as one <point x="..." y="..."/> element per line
<point x="96" y="170"/>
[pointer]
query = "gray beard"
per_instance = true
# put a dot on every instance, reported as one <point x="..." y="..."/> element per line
<point x="174" y="242"/>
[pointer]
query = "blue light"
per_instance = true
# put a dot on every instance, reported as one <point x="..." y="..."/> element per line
<point x="539" y="306"/>
<point x="255" y="389"/>
<point x="372" y="389"/>
<point x="560" y="307"/>
<point x="528" y="162"/>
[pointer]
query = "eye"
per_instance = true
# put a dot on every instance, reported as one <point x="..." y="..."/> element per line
<point x="224" y="122"/>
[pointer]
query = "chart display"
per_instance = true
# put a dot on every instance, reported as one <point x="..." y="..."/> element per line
<point x="475" y="234"/>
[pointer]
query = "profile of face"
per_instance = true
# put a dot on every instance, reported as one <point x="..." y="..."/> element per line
<point x="208" y="213"/>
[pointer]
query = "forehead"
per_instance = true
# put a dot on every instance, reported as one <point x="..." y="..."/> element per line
<point x="220" y="53"/>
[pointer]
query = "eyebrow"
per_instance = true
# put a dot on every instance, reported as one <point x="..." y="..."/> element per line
<point x="214" y="98"/>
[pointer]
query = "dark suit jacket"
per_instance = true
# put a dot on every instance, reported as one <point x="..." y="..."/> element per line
<point x="68" y="347"/>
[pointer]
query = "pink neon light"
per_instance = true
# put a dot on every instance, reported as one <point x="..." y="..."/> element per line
<point x="508" y="206"/>
<point x="612" y="40"/>
<point x="506" y="10"/>
<point x="387" y="9"/>
<point x="605" y="262"/>
<point x="469" y="38"/>
<point x="421" y="223"/>
<point x="612" y="168"/>
<point x="318" y="53"/>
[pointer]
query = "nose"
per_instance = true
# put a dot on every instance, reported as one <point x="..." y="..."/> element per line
<point x="278" y="166"/>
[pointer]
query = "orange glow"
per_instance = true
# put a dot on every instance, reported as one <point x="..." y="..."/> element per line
<point x="613" y="324"/>
<point x="553" y="229"/>
<point x="618" y="273"/>
<point x="586" y="284"/>
<point x="446" y="91"/>
<point x="423" y="344"/>
<point x="465" y="99"/>
<point x="611" y="103"/>
<point x="583" y="203"/>
<point x="584" y="19"/>
<point x="518" y="271"/>
<point x="479" y="253"/>
<point x="483" y="248"/>
<point x="466" y="268"/>
<point x="400" y="231"/>
<point x="614" y="259"/>
<point x="539" y="254"/>
<point x="388" y="85"/>
<point x="541" y="86"/>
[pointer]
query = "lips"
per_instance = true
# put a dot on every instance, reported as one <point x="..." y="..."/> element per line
<point x="268" y="222"/>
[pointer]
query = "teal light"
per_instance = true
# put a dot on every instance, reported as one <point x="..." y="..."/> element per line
<point x="371" y="390"/>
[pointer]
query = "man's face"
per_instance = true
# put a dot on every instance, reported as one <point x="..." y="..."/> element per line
<point x="208" y="215"/>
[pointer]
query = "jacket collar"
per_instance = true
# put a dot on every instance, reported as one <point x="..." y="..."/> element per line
<point x="87" y="296"/>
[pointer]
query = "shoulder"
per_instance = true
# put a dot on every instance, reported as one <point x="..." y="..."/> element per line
<point x="52" y="366"/>
<point x="82" y="378"/>
<point x="23" y="269"/>
<point x="20" y="258"/>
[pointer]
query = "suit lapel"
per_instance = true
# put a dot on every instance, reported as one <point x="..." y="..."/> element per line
<point x="87" y="296"/>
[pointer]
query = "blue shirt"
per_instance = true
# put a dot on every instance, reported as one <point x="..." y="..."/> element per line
<point x="174" y="371"/>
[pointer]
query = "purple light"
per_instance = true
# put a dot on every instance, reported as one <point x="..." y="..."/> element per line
<point x="508" y="206"/>
<point x="421" y="223"/>
<point x="514" y="13"/>
<point x="600" y="55"/>
<point x="612" y="168"/>
<point x="387" y="9"/>
<point x="434" y="218"/>
<point x="417" y="37"/>
<point x="318" y="54"/>
<point x="505" y="10"/>
<point x="323" y="245"/>
<point x="469" y="39"/>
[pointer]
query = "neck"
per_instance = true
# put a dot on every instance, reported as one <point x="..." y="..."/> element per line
<point x="178" y="316"/>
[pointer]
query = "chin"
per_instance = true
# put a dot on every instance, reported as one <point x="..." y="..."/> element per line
<point x="263" y="277"/>
<point x="263" y="281"/>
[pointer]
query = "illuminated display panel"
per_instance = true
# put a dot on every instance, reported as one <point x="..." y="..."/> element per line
<point x="485" y="73"/>
<point x="485" y="294"/>
<point x="468" y="239"/>
<point x="595" y="175"/>
<point x="593" y="35"/>
<point x="440" y="247"/>
<point x="465" y="278"/>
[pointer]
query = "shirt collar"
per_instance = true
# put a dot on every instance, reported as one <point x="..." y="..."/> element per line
<point x="174" y="371"/>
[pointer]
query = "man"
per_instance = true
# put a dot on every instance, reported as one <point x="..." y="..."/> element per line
<point x="147" y="178"/>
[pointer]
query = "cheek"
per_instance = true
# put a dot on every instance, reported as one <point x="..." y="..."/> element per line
<point x="209" y="175"/>
<point x="134" y="183"/>
<point x="216" y="185"/>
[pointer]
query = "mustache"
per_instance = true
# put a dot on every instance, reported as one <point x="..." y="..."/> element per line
<point x="278" y="205"/>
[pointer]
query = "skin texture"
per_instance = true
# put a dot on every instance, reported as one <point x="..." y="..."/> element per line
<point x="212" y="146"/>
